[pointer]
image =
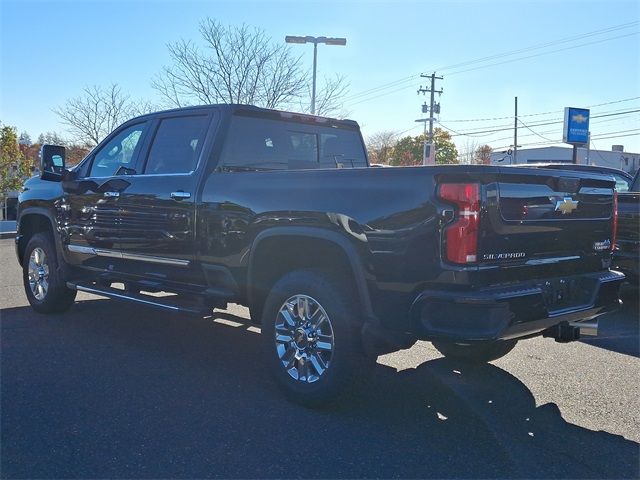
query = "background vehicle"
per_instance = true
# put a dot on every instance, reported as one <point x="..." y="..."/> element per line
<point x="622" y="178"/>
<point x="626" y="255"/>
<point x="338" y="262"/>
<point x="627" y="250"/>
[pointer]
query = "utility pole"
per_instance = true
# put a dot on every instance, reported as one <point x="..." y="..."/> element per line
<point x="433" y="109"/>
<point x="515" y="133"/>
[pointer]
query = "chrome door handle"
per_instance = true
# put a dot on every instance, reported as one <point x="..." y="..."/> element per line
<point x="112" y="194"/>
<point x="180" y="195"/>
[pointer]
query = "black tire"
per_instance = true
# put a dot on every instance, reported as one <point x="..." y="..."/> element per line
<point x="476" y="353"/>
<point x="348" y="366"/>
<point x="58" y="297"/>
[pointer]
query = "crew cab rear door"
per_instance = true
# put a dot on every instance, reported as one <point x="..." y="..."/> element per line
<point x="157" y="210"/>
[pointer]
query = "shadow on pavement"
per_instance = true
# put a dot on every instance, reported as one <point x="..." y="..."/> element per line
<point x="112" y="390"/>
<point x="620" y="331"/>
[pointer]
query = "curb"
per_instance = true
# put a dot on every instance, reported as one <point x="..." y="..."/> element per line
<point x="4" y="235"/>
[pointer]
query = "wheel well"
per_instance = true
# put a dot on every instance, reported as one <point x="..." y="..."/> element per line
<point x="276" y="256"/>
<point x="30" y="224"/>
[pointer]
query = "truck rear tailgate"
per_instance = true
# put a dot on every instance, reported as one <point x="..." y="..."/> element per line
<point x="544" y="216"/>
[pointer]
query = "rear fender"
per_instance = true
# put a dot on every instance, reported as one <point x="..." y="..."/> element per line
<point x="355" y="266"/>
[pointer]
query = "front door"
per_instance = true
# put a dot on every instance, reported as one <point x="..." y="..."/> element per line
<point x="90" y="207"/>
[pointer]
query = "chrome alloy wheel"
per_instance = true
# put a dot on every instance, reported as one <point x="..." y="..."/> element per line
<point x="304" y="338"/>
<point x="38" y="273"/>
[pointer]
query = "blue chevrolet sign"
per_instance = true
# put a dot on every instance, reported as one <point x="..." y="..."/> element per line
<point x="576" y="126"/>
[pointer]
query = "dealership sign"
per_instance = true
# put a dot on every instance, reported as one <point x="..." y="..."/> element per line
<point x="576" y="126"/>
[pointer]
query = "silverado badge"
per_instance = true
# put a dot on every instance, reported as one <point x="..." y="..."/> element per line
<point x="566" y="205"/>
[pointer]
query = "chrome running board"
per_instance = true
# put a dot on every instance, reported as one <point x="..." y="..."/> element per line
<point x="139" y="298"/>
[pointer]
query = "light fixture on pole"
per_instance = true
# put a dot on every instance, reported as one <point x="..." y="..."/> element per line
<point x="315" y="41"/>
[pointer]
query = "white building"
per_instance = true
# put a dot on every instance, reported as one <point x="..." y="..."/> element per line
<point x="616" y="157"/>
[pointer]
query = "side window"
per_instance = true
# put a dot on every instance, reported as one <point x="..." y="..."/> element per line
<point x="255" y="142"/>
<point x="119" y="152"/>
<point x="176" y="145"/>
<point x="274" y="144"/>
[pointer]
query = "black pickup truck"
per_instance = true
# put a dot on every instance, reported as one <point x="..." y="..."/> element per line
<point x="337" y="261"/>
<point x="626" y="256"/>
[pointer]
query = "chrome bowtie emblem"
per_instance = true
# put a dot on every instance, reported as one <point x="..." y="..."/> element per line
<point x="566" y="205"/>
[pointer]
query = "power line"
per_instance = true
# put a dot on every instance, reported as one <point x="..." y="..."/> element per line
<point x="384" y="86"/>
<point x="595" y="149"/>
<point x="605" y="116"/>
<point x="543" y="53"/>
<point x="620" y="136"/>
<point x="531" y="134"/>
<point x="378" y="96"/>
<point x="543" y="45"/>
<point x="537" y="114"/>
<point x="599" y="136"/>
<point x="535" y="133"/>
<point x="634" y="132"/>
<point x="598" y="121"/>
<point x="546" y="131"/>
<point x="478" y="133"/>
<point x="619" y="131"/>
<point x="413" y="78"/>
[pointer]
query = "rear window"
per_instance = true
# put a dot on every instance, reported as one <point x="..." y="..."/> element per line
<point x="280" y="145"/>
<point x="622" y="183"/>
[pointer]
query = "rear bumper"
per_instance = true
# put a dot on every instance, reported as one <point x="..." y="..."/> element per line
<point x="628" y="263"/>
<point x="515" y="311"/>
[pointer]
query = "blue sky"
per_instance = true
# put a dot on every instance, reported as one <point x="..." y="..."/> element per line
<point x="50" y="50"/>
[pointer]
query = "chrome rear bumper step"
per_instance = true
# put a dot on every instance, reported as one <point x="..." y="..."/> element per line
<point x="139" y="298"/>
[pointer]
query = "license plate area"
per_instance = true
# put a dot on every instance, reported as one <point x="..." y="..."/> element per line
<point x="566" y="293"/>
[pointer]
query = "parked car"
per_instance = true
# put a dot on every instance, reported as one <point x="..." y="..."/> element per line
<point x="626" y="255"/>
<point x="339" y="262"/>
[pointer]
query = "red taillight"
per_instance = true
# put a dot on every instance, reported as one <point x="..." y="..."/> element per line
<point x="614" y="228"/>
<point x="462" y="235"/>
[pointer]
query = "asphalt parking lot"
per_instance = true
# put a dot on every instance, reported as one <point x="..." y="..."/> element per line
<point x="113" y="390"/>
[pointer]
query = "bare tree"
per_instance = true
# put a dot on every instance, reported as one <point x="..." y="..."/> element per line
<point x="467" y="156"/>
<point x="142" y="107"/>
<point x="380" y="146"/>
<point x="25" y="139"/>
<point x="236" y="65"/>
<point x="97" y="111"/>
<point x="329" y="97"/>
<point x="52" y="138"/>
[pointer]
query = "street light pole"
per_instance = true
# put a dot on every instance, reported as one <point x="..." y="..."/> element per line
<point x="315" y="41"/>
<point x="313" y="88"/>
